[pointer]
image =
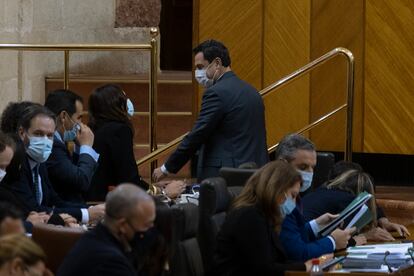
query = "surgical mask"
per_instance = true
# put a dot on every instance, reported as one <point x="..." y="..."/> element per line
<point x="201" y="77"/>
<point x="2" y="174"/>
<point x="39" y="148"/>
<point x="306" y="180"/>
<point x="70" y="135"/>
<point x="130" y="108"/>
<point x="287" y="207"/>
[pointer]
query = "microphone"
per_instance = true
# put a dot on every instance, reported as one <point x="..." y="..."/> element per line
<point x="386" y="254"/>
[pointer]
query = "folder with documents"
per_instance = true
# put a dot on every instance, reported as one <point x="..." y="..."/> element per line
<point x="351" y="209"/>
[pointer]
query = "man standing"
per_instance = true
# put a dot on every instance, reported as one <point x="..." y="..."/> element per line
<point x="107" y="249"/>
<point x="230" y="129"/>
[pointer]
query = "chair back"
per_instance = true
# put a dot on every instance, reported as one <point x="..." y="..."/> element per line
<point x="214" y="201"/>
<point x="56" y="241"/>
<point x="324" y="163"/>
<point x="186" y="260"/>
<point x="236" y="176"/>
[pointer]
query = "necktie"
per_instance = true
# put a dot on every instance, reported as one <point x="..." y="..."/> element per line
<point x="36" y="183"/>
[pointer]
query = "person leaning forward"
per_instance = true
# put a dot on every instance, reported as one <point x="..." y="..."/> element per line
<point x="230" y="129"/>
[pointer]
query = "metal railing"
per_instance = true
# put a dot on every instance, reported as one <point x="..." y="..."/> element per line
<point x="67" y="48"/>
<point x="349" y="105"/>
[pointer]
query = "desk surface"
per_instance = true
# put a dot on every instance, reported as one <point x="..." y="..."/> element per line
<point x="409" y="271"/>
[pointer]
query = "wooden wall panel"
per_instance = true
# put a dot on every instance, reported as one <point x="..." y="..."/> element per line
<point x="389" y="108"/>
<point x="238" y="24"/>
<point x="286" y="48"/>
<point x="336" y="23"/>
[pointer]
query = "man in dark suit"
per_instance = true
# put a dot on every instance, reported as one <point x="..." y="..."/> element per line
<point x="70" y="175"/>
<point x="230" y="129"/>
<point x="107" y="249"/>
<point x="33" y="188"/>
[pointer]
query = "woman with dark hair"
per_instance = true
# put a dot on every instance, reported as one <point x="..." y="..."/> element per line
<point x="248" y="242"/>
<point x="109" y="111"/>
<point x="155" y="250"/>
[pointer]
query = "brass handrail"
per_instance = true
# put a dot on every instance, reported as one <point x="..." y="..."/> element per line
<point x="298" y="73"/>
<point x="67" y="48"/>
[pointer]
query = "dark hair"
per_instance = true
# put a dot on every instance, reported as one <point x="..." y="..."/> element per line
<point x="213" y="49"/>
<point x="6" y="141"/>
<point x="290" y="144"/>
<point x="108" y="103"/>
<point x="160" y="251"/>
<point x="265" y="186"/>
<point x="7" y="209"/>
<point x="33" y="111"/>
<point x="343" y="166"/>
<point x="62" y="100"/>
<point x="11" y="116"/>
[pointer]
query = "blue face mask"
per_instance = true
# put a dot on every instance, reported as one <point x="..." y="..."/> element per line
<point x="70" y="135"/>
<point x="130" y="108"/>
<point x="287" y="207"/>
<point x="306" y="180"/>
<point x="39" y="148"/>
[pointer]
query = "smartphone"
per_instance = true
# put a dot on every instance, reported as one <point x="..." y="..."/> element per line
<point x="327" y="265"/>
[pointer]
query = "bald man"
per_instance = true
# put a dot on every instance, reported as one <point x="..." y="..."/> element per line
<point x="106" y="250"/>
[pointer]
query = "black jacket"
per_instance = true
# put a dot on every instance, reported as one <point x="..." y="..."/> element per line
<point x="70" y="176"/>
<point x="248" y="244"/>
<point x="23" y="190"/>
<point x="116" y="164"/>
<point x="98" y="253"/>
<point x="229" y="131"/>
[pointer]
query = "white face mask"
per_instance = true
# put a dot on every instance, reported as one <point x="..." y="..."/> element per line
<point x="307" y="178"/>
<point x="201" y="77"/>
<point x="2" y="174"/>
<point x="130" y="108"/>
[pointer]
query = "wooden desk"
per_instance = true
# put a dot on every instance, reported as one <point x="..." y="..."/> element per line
<point x="404" y="272"/>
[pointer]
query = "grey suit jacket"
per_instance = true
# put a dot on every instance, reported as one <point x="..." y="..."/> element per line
<point x="229" y="131"/>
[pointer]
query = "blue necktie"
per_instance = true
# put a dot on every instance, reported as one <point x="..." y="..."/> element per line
<point x="36" y="183"/>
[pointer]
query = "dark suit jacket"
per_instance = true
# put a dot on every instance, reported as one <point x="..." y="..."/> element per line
<point x="333" y="201"/>
<point x="23" y="190"/>
<point x="230" y="129"/>
<point x="97" y="253"/>
<point x="69" y="176"/>
<point x="248" y="244"/>
<point x="299" y="241"/>
<point x="116" y="164"/>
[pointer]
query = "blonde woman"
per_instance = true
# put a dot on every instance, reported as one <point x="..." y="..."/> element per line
<point x="19" y="255"/>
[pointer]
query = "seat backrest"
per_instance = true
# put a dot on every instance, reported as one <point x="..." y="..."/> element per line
<point x="214" y="201"/>
<point x="324" y="163"/>
<point x="236" y="176"/>
<point x="186" y="260"/>
<point x="56" y="241"/>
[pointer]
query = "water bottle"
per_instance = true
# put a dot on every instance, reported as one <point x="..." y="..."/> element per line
<point x="315" y="269"/>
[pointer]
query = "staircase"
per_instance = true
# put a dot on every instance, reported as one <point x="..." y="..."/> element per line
<point x="175" y="106"/>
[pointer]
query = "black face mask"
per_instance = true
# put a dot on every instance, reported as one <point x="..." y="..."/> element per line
<point x="142" y="241"/>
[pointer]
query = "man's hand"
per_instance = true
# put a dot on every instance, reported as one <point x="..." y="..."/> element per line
<point x="37" y="218"/>
<point x="391" y="227"/>
<point x="96" y="212"/>
<point x="69" y="220"/>
<point x="85" y="136"/>
<point x="378" y="234"/>
<point x="342" y="237"/>
<point x="360" y="239"/>
<point x="325" y="219"/>
<point x="157" y="175"/>
<point x="175" y="188"/>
